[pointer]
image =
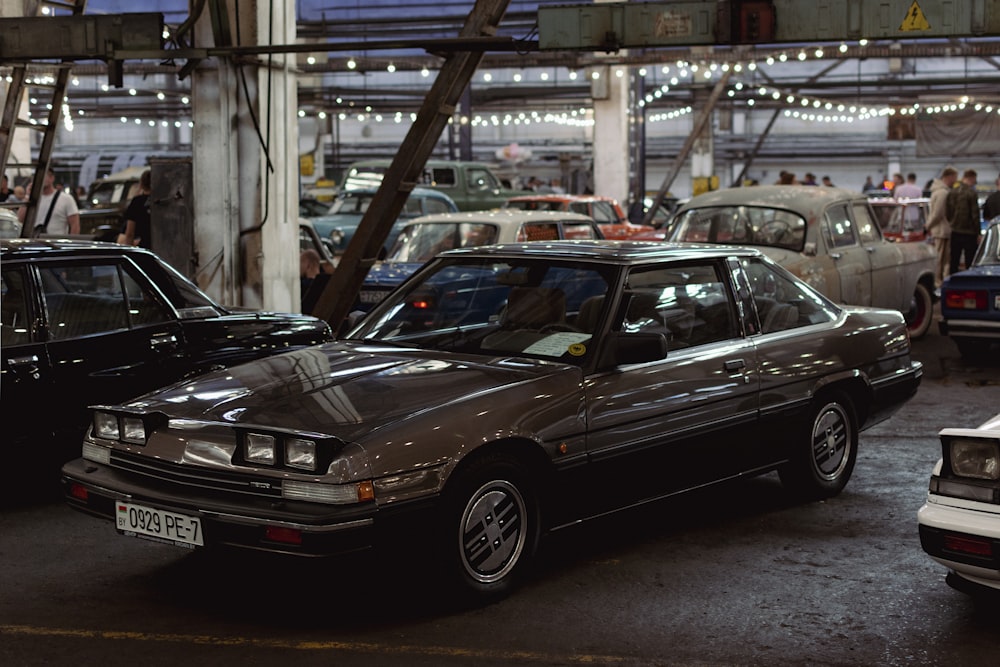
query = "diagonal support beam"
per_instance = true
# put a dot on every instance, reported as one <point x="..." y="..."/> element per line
<point x="439" y="105"/>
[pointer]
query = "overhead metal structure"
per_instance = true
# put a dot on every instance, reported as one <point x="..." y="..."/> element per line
<point x="401" y="176"/>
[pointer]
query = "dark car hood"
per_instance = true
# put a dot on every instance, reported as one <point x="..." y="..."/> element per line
<point x="345" y="388"/>
<point x="390" y="273"/>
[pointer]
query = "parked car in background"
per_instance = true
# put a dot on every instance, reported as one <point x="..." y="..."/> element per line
<point x="311" y="208"/>
<point x="473" y="186"/>
<point x="344" y="216"/>
<point x="605" y="211"/>
<point x="107" y="199"/>
<point x="960" y="522"/>
<point x="86" y="323"/>
<point x="421" y="239"/>
<point x="829" y="237"/>
<point x="901" y="219"/>
<point x="504" y="392"/>
<point x="309" y="239"/>
<point x="970" y="300"/>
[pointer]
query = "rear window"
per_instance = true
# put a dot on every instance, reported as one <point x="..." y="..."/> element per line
<point x="741" y="225"/>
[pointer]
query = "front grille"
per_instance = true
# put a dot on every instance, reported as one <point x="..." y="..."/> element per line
<point x="163" y="474"/>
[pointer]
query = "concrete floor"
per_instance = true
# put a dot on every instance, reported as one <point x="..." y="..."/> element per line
<point x="736" y="575"/>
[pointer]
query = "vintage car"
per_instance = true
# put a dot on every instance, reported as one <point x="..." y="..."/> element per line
<point x="86" y="322"/>
<point x="605" y="211"/>
<point x="425" y="237"/>
<point x="340" y="222"/>
<point x="960" y="522"/>
<point x="829" y="237"/>
<point x="504" y="392"/>
<point x="970" y="300"/>
<point x="473" y="186"/>
<point x="901" y="219"/>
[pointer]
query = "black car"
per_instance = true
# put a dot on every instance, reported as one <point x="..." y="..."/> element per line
<point x="86" y="322"/>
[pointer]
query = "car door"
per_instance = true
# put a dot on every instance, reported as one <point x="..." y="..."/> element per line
<point x="109" y="335"/>
<point x="887" y="280"/>
<point x="850" y="259"/>
<point x="684" y="420"/>
<point x="26" y="375"/>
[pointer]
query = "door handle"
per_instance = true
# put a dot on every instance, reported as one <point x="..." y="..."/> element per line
<point x="23" y="361"/>
<point x="734" y="365"/>
<point x="835" y="255"/>
<point x="161" y="342"/>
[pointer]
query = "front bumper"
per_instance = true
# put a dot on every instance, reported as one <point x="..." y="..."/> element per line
<point x="322" y="530"/>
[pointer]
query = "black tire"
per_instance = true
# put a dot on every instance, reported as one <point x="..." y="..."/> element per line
<point x="921" y="313"/>
<point x="826" y="449"/>
<point x="491" y="527"/>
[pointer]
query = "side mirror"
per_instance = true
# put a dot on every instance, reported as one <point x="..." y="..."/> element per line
<point x="639" y="348"/>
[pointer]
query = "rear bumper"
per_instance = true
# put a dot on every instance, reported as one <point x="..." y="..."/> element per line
<point x="942" y="525"/>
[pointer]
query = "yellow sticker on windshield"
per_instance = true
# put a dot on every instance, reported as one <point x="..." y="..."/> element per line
<point x="577" y="349"/>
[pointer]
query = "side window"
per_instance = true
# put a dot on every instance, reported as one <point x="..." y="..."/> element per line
<point x="867" y="225"/>
<point x="538" y="231"/>
<point x="578" y="230"/>
<point x="443" y="177"/>
<point x="15" y="328"/>
<point x="782" y="303"/>
<point x="838" y="229"/>
<point x="435" y="206"/>
<point x="689" y="304"/>
<point x="82" y="300"/>
<point x="603" y="212"/>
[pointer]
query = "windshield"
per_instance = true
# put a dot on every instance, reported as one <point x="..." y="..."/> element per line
<point x="420" y="242"/>
<point x="741" y="225"/>
<point x="525" y="307"/>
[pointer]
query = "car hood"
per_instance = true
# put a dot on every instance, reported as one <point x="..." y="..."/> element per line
<point x="350" y="389"/>
<point x="390" y="273"/>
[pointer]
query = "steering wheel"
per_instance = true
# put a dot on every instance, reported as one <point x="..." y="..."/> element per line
<point x="558" y="326"/>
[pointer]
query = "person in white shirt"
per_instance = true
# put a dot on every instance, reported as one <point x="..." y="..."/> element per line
<point x="58" y="208"/>
<point x="909" y="189"/>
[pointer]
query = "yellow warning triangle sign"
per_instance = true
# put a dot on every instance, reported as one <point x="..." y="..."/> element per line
<point x="915" y="19"/>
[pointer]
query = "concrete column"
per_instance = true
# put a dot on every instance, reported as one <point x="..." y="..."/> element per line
<point x="610" y="91"/>
<point x="245" y="216"/>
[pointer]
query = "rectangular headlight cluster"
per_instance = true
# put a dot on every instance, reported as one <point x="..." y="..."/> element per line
<point x="978" y="459"/>
<point x="125" y="428"/>
<point x="269" y="450"/>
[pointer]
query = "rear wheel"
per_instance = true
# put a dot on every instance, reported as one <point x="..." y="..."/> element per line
<point x="921" y="313"/>
<point x="491" y="527"/>
<point x="826" y="450"/>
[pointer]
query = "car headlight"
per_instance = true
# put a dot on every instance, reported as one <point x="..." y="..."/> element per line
<point x="259" y="448"/>
<point x="106" y="425"/>
<point x="979" y="459"/>
<point x="300" y="453"/>
<point x="133" y="430"/>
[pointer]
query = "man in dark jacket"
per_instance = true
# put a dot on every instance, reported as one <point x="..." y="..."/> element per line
<point x="963" y="209"/>
<point x="991" y="207"/>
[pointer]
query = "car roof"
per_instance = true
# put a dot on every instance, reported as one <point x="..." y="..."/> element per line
<point x="502" y="216"/>
<point x="562" y="198"/>
<point x="12" y="248"/>
<point x="626" y="251"/>
<point x="805" y="200"/>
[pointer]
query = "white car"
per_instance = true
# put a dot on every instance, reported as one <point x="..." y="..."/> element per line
<point x="960" y="522"/>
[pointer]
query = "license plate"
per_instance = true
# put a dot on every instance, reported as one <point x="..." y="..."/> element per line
<point x="369" y="296"/>
<point x="159" y="525"/>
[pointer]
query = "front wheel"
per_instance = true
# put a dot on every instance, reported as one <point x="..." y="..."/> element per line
<point x="491" y="527"/>
<point x="921" y="313"/>
<point x="823" y="459"/>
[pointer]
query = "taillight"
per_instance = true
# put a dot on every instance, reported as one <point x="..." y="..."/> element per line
<point x="283" y="534"/>
<point x="976" y="546"/>
<point x="968" y="299"/>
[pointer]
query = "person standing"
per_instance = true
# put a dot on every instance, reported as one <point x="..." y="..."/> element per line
<point x="909" y="189"/>
<point x="136" y="228"/>
<point x="938" y="225"/>
<point x="5" y="192"/>
<point x="991" y="207"/>
<point x="963" y="207"/>
<point x="56" y="213"/>
<point x="827" y="182"/>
